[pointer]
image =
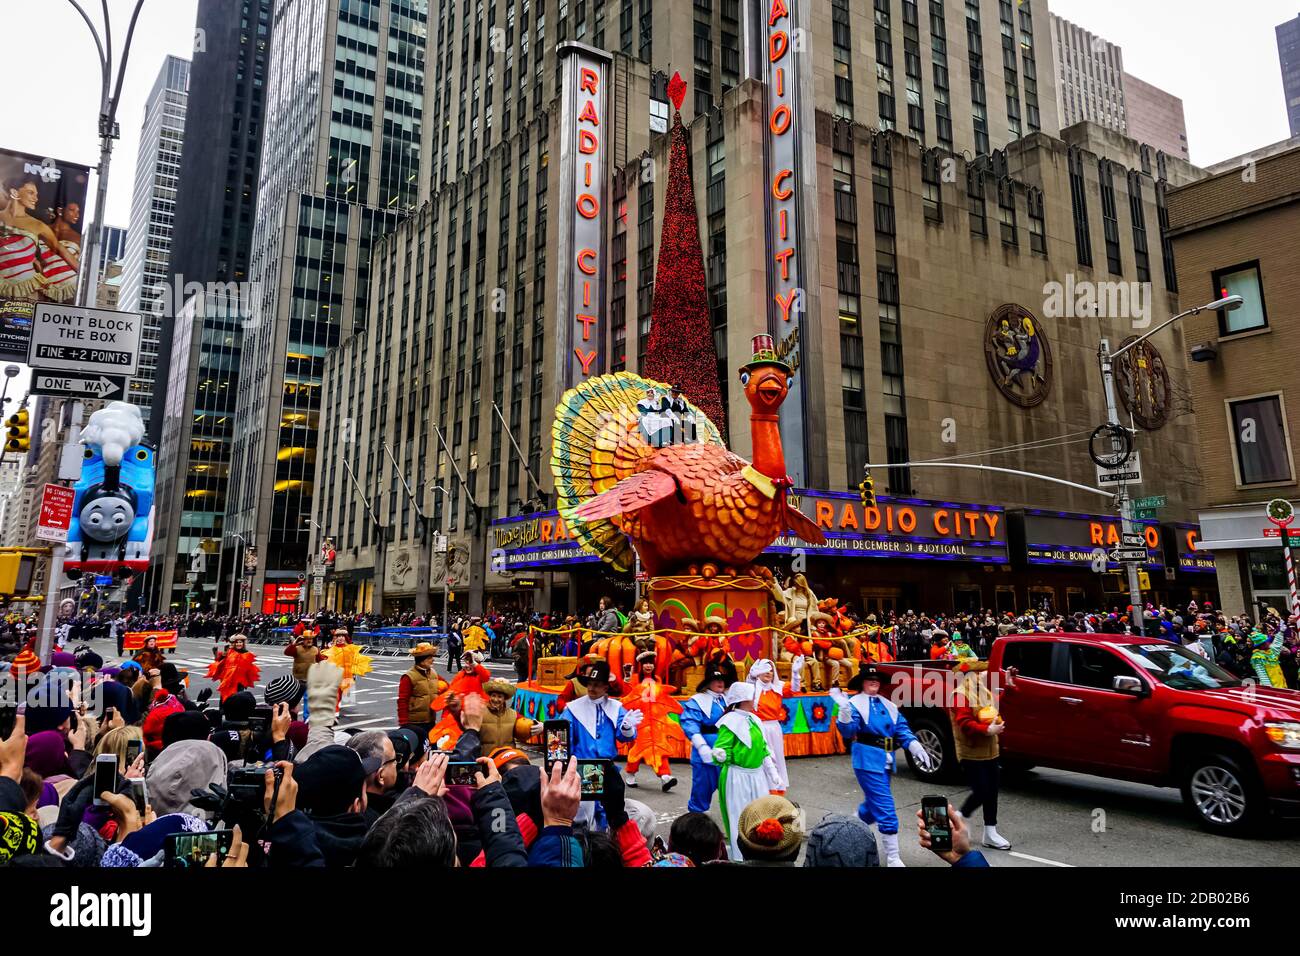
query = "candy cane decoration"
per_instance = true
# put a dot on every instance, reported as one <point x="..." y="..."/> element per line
<point x="1290" y="578"/>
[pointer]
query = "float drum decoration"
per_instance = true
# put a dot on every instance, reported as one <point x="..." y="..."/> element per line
<point x="112" y="515"/>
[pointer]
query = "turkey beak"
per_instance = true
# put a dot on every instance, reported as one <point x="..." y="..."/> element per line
<point x="772" y="390"/>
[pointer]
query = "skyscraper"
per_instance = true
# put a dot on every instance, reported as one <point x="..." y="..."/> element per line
<point x="194" y="406"/>
<point x="340" y="166"/>
<point x="1288" y="53"/>
<point x="1092" y="85"/>
<point x="153" y="213"/>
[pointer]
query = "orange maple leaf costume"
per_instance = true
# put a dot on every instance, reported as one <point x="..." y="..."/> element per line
<point x="655" y="736"/>
<point x="234" y="671"/>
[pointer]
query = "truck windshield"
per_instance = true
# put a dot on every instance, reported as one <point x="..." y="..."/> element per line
<point x="1178" y="667"/>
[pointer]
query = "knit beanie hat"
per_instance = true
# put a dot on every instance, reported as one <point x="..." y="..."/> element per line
<point x="285" y="689"/>
<point x="841" y="840"/>
<point x="769" y="829"/>
<point x="87" y="846"/>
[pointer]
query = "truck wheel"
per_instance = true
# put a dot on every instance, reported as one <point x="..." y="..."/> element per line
<point x="1223" y="794"/>
<point x="936" y="738"/>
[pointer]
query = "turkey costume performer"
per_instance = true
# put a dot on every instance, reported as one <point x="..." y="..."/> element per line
<point x="346" y="655"/>
<point x="875" y="728"/>
<point x="234" y="669"/>
<point x="699" y="719"/>
<point x="746" y="763"/>
<point x="654" y="700"/>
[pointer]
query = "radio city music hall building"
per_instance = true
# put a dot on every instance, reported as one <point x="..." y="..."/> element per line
<point x="943" y="235"/>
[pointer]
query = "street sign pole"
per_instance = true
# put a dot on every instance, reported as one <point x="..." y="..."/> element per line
<point x="1122" y="499"/>
<point x="49" y="618"/>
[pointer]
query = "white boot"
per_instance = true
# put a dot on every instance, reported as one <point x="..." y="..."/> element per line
<point x="890" y="842"/>
<point x="994" y="839"/>
<point x="629" y="779"/>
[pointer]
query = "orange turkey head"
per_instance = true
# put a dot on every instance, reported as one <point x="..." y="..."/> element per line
<point x="766" y="385"/>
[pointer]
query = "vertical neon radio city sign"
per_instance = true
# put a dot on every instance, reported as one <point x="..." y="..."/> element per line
<point x="775" y="39"/>
<point x="583" y="138"/>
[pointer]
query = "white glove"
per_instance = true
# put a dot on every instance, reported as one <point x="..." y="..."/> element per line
<point x="323" y="680"/>
<point x="705" y="752"/>
<point x="631" y="720"/>
<point x="719" y="755"/>
<point x="796" y="666"/>
<point x="919" y="755"/>
<point x="995" y="728"/>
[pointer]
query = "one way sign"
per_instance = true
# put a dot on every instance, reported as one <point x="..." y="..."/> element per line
<point x="64" y="385"/>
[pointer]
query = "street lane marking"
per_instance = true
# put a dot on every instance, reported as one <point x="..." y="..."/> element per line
<point x="1039" y="859"/>
<point x="362" y="723"/>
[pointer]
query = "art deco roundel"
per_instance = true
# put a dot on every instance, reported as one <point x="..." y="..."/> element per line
<point x="1143" y="384"/>
<point x="1019" y="355"/>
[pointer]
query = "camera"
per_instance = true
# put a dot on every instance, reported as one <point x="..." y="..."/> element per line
<point x="246" y="786"/>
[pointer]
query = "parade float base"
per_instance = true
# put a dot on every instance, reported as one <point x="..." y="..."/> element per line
<point x="808" y="727"/>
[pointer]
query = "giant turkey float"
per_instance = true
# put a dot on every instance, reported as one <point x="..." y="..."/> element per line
<point x="695" y="516"/>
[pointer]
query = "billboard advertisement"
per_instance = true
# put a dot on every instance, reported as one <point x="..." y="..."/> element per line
<point x="42" y="202"/>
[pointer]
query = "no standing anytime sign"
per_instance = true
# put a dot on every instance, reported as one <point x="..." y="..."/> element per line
<point x="84" y="340"/>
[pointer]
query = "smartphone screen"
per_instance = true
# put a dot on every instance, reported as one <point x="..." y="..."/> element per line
<point x="934" y="811"/>
<point x="460" y="773"/>
<point x="105" y="776"/>
<point x="592" y="775"/>
<point x="133" y="750"/>
<point x="193" y="849"/>
<point x="556" y="735"/>
<point x="8" y="715"/>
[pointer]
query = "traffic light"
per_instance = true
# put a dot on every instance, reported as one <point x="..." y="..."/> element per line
<point x="1144" y="580"/>
<point x="19" y="437"/>
<point x="868" y="488"/>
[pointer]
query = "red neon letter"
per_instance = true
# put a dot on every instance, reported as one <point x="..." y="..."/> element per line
<point x="782" y="176"/>
<point x="779" y="10"/>
<point x="583" y="256"/>
<point x="586" y="360"/>
<point x="588" y="207"/>
<point x="587" y="142"/>
<point x="588" y="81"/>
<point x="588" y="114"/>
<point x="780" y="119"/>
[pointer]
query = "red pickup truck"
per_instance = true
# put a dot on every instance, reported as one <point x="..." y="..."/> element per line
<point x="1129" y="708"/>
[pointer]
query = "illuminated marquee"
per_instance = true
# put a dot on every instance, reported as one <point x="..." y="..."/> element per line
<point x="583" y="122"/>
<point x="775" y="36"/>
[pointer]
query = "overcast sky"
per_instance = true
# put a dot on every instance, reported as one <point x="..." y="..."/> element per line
<point x="1225" y="68"/>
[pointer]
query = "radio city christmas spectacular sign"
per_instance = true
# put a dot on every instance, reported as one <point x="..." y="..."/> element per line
<point x="583" y="153"/>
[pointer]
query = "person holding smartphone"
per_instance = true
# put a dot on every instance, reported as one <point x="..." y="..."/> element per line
<point x="960" y="852"/>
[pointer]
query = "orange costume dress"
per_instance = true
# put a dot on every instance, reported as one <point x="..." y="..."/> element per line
<point x="655" y="735"/>
<point x="234" y="671"/>
<point x="466" y="681"/>
<point x="446" y="732"/>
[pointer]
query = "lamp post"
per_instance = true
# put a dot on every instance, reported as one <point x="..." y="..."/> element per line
<point x="110" y="92"/>
<point x="237" y="571"/>
<point x="1106" y="360"/>
<point x="445" y="563"/>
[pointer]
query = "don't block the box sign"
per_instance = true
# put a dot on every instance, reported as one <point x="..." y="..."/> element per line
<point x="584" y="125"/>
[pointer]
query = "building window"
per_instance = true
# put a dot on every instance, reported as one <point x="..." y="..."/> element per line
<point x="1079" y="206"/>
<point x="1259" y="435"/>
<point x="1007" y="212"/>
<point x="979" y="220"/>
<point x="1037" y="227"/>
<point x="1242" y="280"/>
<point x="931" y="192"/>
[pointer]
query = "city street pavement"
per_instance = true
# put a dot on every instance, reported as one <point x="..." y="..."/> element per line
<point x="1053" y="818"/>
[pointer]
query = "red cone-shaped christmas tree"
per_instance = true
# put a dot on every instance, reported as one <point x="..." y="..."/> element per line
<point x="680" y="350"/>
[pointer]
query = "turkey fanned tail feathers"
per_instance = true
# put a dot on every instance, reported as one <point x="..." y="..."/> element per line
<point x="596" y="442"/>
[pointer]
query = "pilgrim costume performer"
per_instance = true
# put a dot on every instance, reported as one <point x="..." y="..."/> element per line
<point x="769" y="704"/>
<point x="699" y="721"/>
<point x="597" y="724"/>
<point x="747" y="765"/>
<point x="875" y="728"/>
